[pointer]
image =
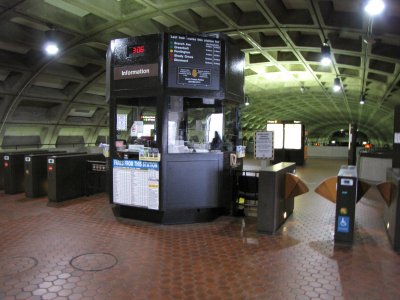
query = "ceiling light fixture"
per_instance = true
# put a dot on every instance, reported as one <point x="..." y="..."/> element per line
<point x="50" y="44"/>
<point x="362" y="99"/>
<point x="326" y="54"/>
<point x="337" y="85"/>
<point x="302" y="89"/>
<point x="246" y="102"/>
<point x="374" y="7"/>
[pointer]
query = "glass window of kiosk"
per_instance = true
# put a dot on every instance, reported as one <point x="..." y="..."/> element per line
<point x="195" y="125"/>
<point x="136" y="126"/>
<point x="231" y="127"/>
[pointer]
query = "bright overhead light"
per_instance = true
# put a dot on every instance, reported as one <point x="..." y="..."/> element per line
<point x="337" y="85"/>
<point x="51" y="48"/>
<point x="50" y="43"/>
<point x="326" y="55"/>
<point x="362" y="99"/>
<point x="246" y="102"/>
<point x="374" y="7"/>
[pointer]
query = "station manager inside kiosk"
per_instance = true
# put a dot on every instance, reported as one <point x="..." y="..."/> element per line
<point x="174" y="120"/>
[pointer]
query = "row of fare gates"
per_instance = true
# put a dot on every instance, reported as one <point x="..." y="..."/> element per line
<point x="344" y="190"/>
<point x="269" y="192"/>
<point x="60" y="175"/>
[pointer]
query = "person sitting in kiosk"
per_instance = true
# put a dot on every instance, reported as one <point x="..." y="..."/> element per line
<point x="216" y="142"/>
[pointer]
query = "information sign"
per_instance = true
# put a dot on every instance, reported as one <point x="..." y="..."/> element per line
<point x="136" y="183"/>
<point x="194" y="62"/>
<point x="264" y="145"/>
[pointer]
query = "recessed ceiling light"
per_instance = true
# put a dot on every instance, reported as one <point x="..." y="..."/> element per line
<point x="326" y="55"/>
<point x="51" y="48"/>
<point x="50" y="43"/>
<point x="362" y="99"/>
<point x="336" y="85"/>
<point x="374" y="7"/>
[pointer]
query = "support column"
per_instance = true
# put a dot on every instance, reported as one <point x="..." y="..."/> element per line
<point x="396" y="138"/>
<point x="352" y="156"/>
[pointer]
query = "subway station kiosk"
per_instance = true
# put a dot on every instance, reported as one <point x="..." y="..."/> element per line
<point x="174" y="123"/>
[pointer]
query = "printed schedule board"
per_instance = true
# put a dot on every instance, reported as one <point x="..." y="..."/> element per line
<point x="194" y="62"/>
<point x="136" y="183"/>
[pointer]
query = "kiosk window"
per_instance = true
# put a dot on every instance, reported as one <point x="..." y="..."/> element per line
<point x="194" y="125"/>
<point x="231" y="127"/>
<point x="140" y="130"/>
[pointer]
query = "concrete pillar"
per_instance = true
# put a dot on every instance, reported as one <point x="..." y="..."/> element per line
<point x="352" y="155"/>
<point x="396" y="138"/>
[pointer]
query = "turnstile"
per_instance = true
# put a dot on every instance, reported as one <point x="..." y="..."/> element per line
<point x="273" y="207"/>
<point x="391" y="213"/>
<point x="67" y="175"/>
<point x="96" y="177"/>
<point x="346" y="199"/>
<point x="36" y="184"/>
<point x="1" y="172"/>
<point x="13" y="171"/>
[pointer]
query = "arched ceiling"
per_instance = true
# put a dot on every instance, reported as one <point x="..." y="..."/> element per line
<point x="281" y="39"/>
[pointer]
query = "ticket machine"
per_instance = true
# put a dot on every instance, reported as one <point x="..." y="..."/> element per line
<point x="174" y="121"/>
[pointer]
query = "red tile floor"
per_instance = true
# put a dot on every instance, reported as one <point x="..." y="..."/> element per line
<point x="80" y="250"/>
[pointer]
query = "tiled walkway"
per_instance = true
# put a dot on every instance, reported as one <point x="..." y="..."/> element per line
<point x="80" y="250"/>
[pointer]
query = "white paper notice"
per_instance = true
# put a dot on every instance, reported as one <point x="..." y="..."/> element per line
<point x="122" y="122"/>
<point x="264" y="144"/>
<point x="397" y="137"/>
<point x="137" y="128"/>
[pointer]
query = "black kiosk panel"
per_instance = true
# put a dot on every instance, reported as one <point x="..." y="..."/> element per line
<point x="137" y="59"/>
<point x="234" y="83"/>
<point x="201" y="187"/>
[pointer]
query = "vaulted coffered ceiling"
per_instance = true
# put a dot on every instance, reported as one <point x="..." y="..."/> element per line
<point x="64" y="96"/>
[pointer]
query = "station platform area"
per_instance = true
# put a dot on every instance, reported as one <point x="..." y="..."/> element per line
<point x="79" y="249"/>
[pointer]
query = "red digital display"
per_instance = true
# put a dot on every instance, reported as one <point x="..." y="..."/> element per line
<point x="136" y="50"/>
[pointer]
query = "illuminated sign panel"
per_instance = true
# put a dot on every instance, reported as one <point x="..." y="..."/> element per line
<point x="293" y="136"/>
<point x="278" y="134"/>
